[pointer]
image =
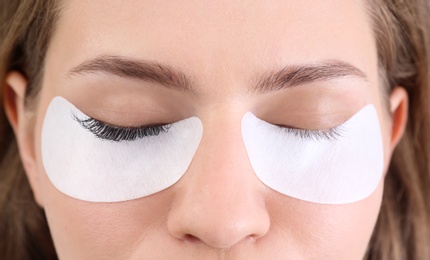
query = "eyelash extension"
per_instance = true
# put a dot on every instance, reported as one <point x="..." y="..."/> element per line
<point x="331" y="134"/>
<point x="117" y="134"/>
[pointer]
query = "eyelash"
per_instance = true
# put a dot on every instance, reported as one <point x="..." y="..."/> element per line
<point x="331" y="134"/>
<point x="117" y="134"/>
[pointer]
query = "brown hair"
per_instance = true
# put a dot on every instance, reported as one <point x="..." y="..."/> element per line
<point x="25" y="29"/>
<point x="402" y="33"/>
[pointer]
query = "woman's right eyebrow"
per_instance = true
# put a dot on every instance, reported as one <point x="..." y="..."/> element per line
<point x="137" y="69"/>
<point x="289" y="76"/>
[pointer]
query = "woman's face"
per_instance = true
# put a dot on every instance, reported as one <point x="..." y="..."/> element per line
<point x="219" y="209"/>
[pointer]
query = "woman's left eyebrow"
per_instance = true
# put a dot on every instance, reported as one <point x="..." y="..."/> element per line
<point x="296" y="75"/>
<point x="289" y="76"/>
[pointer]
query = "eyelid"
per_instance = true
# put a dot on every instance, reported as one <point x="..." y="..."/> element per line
<point x="116" y="133"/>
<point x="89" y="118"/>
<point x="331" y="134"/>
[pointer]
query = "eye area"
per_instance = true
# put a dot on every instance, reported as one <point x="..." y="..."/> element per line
<point x="106" y="131"/>
<point x="115" y="133"/>
<point x="330" y="134"/>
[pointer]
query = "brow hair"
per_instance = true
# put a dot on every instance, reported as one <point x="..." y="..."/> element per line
<point x="130" y="68"/>
<point x="296" y="75"/>
<point x="289" y="76"/>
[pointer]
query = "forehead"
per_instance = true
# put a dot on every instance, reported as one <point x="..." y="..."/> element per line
<point x="222" y="38"/>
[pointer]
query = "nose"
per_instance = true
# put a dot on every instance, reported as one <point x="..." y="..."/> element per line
<point x="219" y="201"/>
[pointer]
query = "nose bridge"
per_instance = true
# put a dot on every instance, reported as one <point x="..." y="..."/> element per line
<point x="218" y="201"/>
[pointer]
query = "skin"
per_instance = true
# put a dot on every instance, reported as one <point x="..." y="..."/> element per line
<point x="219" y="209"/>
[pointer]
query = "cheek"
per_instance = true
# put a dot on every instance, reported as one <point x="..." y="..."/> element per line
<point x="326" y="231"/>
<point x="378" y="98"/>
<point x="386" y="139"/>
<point x="85" y="230"/>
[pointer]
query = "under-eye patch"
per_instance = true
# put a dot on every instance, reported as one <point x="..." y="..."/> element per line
<point x="328" y="167"/>
<point x="92" y="161"/>
<point x="89" y="160"/>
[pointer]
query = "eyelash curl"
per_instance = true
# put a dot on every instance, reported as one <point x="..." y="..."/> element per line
<point x="331" y="134"/>
<point x="116" y="133"/>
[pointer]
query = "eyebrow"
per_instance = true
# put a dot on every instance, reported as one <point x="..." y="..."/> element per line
<point x="289" y="76"/>
<point x="295" y="75"/>
<point x="142" y="70"/>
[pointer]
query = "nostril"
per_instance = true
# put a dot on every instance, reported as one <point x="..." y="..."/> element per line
<point x="251" y="238"/>
<point x="191" y="239"/>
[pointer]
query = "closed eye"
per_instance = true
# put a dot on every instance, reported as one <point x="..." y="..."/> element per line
<point x="114" y="133"/>
<point x="330" y="134"/>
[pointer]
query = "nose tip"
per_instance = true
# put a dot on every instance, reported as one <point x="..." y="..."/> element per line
<point x="218" y="215"/>
<point x="217" y="229"/>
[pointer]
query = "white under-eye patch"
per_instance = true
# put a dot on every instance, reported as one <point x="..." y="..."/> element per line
<point x="86" y="167"/>
<point x="318" y="166"/>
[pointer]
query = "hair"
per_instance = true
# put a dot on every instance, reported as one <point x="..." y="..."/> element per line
<point x="25" y="29"/>
<point x="402" y="33"/>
